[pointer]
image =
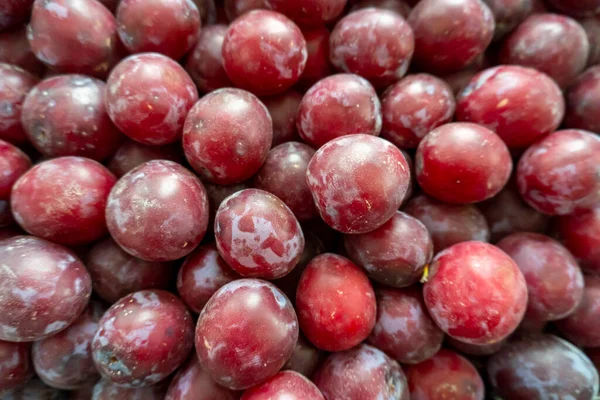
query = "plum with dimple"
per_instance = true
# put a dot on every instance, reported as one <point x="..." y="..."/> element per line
<point x="142" y="338"/>
<point x="158" y="211"/>
<point x="44" y="288"/>
<point x="258" y="235"/>
<point x="246" y="333"/>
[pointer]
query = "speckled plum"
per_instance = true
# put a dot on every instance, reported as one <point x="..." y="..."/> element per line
<point x="462" y="163"/>
<point x="522" y="370"/>
<point x="258" y="235"/>
<point x="63" y="200"/>
<point x="142" y="338"/>
<point x="374" y="43"/>
<point x="580" y="8"/>
<point x="580" y="233"/>
<point x="44" y="289"/>
<point x="449" y="35"/>
<point x="475" y="293"/>
<point x="415" y="106"/>
<point x="583" y="101"/>
<point x="305" y="359"/>
<point x="582" y="327"/>
<point x="339" y="105"/>
<point x="591" y="25"/>
<point x="65" y="116"/>
<point x="205" y="61"/>
<point x="394" y="254"/>
<point x="203" y="273"/>
<point x="169" y="27"/>
<point x="64" y="361"/>
<point x="284" y="175"/>
<point x="13" y="13"/>
<point x="448" y="224"/>
<point x="236" y="8"/>
<point x="520" y="104"/>
<point x="551" y="43"/>
<point x="246" y="333"/>
<point x="193" y="383"/>
<point x="227" y="136"/>
<point x="318" y="65"/>
<point x="363" y="372"/>
<point x="264" y="52"/>
<point x="309" y="12"/>
<point x="105" y="390"/>
<point x="335" y="303"/>
<point x="358" y="182"/>
<point x="116" y="273"/>
<point x="447" y="376"/>
<point x="559" y="174"/>
<point x="74" y="36"/>
<point x="508" y="14"/>
<point x="400" y="7"/>
<point x="403" y="329"/>
<point x="132" y="154"/>
<point x="15" y="365"/>
<point x="13" y="164"/>
<point x="554" y="280"/>
<point x="148" y="97"/>
<point x="15" y="83"/>
<point x="158" y="211"/>
<point x="507" y="213"/>
<point x="283" y="109"/>
<point x="286" y="384"/>
<point x="15" y="50"/>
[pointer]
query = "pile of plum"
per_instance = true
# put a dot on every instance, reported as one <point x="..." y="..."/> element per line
<point x="299" y="199"/>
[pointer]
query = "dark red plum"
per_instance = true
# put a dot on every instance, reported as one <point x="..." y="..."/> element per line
<point x="13" y="164"/>
<point x="283" y="109"/>
<point x="581" y="8"/>
<point x="583" y="100"/>
<point x="15" y="365"/>
<point x="236" y="8"/>
<point x="400" y="7"/>
<point x="105" y="390"/>
<point x="309" y="12"/>
<point x="583" y="326"/>
<point x="508" y="14"/>
<point x="15" y="83"/>
<point x="13" y="13"/>
<point x="318" y="65"/>
<point x="305" y="359"/>
<point x="15" y="50"/>
<point x="580" y="233"/>
<point x="193" y="383"/>
<point x="132" y="154"/>
<point x="205" y="61"/>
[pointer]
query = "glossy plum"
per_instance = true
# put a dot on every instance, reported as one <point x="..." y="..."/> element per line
<point x="374" y="43"/>
<point x="580" y="233"/>
<point x="475" y="293"/>
<point x="583" y="100"/>
<point x="358" y="182"/>
<point x="44" y="289"/>
<point x="462" y="163"/>
<point x="559" y="174"/>
<point x="148" y="97"/>
<point x="205" y="62"/>
<point x="203" y="273"/>
<point x="15" y="83"/>
<point x="339" y="105"/>
<point x="284" y="175"/>
<point x="363" y="372"/>
<point x="116" y="273"/>
<point x="73" y="36"/>
<point x="105" y="390"/>
<point x="318" y="65"/>
<point x="64" y="360"/>
<point x="520" y="104"/>
<point x="63" y="200"/>
<point x="15" y="365"/>
<point x="403" y="329"/>
<point x="169" y="27"/>
<point x="583" y="326"/>
<point x="193" y="383"/>
<point x="551" y="43"/>
<point x="335" y="303"/>
<point x="15" y="50"/>
<point x="554" y="280"/>
<point x="446" y="376"/>
<point x="413" y="107"/>
<point x="246" y="333"/>
<point x="283" y="109"/>
<point x="142" y="338"/>
<point x="132" y="154"/>
<point x="244" y="130"/>
<point x="309" y="12"/>
<point x="264" y="52"/>
<point x="13" y="164"/>
<point x="258" y="235"/>
<point x="284" y="384"/>
<point x="394" y="254"/>
<point x="158" y="211"/>
<point x="449" y="35"/>
<point x="542" y="367"/>
<point x="65" y="116"/>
